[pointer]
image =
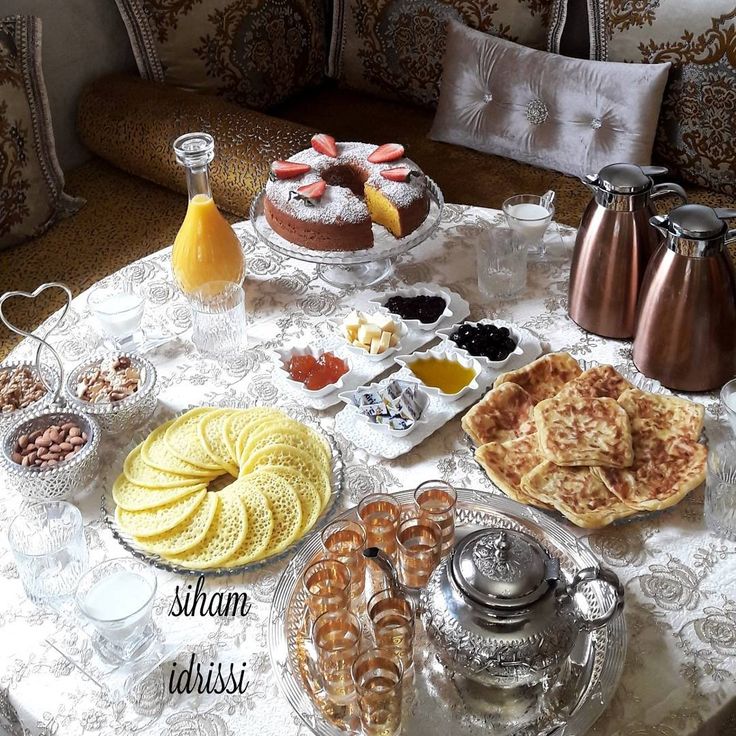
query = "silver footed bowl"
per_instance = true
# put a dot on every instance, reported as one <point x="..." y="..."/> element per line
<point x="50" y="378"/>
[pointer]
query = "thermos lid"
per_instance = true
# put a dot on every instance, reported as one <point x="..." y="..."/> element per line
<point x="624" y="179"/>
<point x="696" y="222"/>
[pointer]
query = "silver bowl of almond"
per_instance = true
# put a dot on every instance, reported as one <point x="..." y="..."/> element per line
<point x="23" y="390"/>
<point x="117" y="389"/>
<point x="51" y="454"/>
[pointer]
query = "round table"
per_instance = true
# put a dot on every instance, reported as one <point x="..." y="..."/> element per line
<point x="680" y="581"/>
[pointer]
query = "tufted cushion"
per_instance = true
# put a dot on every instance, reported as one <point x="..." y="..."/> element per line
<point x="394" y="48"/>
<point x="253" y="52"/>
<point x="117" y="121"/>
<point x="569" y="115"/>
<point x="696" y="136"/>
<point x="32" y="194"/>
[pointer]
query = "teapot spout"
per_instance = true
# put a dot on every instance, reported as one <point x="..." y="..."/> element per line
<point x="383" y="561"/>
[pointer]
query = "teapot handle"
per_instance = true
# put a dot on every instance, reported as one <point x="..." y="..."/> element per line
<point x="603" y="575"/>
<point x="664" y="190"/>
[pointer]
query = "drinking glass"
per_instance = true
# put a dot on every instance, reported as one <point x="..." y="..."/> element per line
<point x="436" y="500"/>
<point x="336" y="638"/>
<point x="392" y="617"/>
<point x="47" y="541"/>
<point x="728" y="402"/>
<point x="377" y="674"/>
<point x="117" y="309"/>
<point x="380" y="514"/>
<point x="720" y="488"/>
<point x="529" y="218"/>
<point x="219" y="325"/>
<point x="420" y="544"/>
<point x="345" y="541"/>
<point x="116" y="597"/>
<point x="501" y="256"/>
<point x="327" y="583"/>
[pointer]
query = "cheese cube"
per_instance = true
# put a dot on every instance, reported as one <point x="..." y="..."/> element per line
<point x="385" y="322"/>
<point x="351" y="332"/>
<point x="367" y="333"/>
<point x="385" y="342"/>
<point x="375" y="346"/>
<point x="353" y="320"/>
<point x="394" y="341"/>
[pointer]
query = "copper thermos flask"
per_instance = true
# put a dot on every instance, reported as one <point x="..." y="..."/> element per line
<point x="686" y="324"/>
<point x="613" y="246"/>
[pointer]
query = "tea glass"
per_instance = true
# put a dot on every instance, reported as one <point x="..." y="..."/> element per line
<point x="419" y="545"/>
<point x="720" y="488"/>
<point x="327" y="584"/>
<point x="436" y="500"/>
<point x="47" y="541"/>
<point x="392" y="617"/>
<point x="344" y="541"/>
<point x="219" y="323"/>
<point x="116" y="597"/>
<point x="380" y="514"/>
<point x="377" y="674"/>
<point x="527" y="216"/>
<point x="501" y="256"/>
<point x="336" y="637"/>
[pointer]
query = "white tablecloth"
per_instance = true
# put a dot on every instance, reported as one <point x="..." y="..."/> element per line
<point x="680" y="580"/>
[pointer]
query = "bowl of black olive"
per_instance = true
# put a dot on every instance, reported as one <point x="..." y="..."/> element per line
<point x="422" y="306"/>
<point x="492" y="342"/>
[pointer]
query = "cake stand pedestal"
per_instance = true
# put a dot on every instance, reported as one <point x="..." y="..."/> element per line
<point x="358" y="268"/>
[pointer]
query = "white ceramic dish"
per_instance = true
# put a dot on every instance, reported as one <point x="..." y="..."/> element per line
<point x="401" y="332"/>
<point x="421" y="397"/>
<point x="422" y="289"/>
<point x="517" y="334"/>
<point x="443" y="351"/>
<point x="284" y="355"/>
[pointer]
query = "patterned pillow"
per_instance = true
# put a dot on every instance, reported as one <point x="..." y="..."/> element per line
<point x="253" y="52"/>
<point x="394" y="48"/>
<point x="31" y="181"/>
<point x="696" y="136"/>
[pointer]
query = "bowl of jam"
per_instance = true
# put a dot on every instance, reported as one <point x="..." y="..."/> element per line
<point x="422" y="306"/>
<point x="443" y="372"/>
<point x="315" y="371"/>
<point x="491" y="342"/>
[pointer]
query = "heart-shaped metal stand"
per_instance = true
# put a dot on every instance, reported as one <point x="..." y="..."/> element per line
<point x="55" y="391"/>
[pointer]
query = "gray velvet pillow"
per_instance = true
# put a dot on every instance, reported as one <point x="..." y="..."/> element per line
<point x="571" y="115"/>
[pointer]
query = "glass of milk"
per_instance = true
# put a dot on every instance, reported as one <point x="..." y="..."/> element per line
<point x="117" y="309"/>
<point x="116" y="597"/>
<point x="527" y="216"/>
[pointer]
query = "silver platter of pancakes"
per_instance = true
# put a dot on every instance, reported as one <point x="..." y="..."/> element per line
<point x="587" y="441"/>
<point x="217" y="490"/>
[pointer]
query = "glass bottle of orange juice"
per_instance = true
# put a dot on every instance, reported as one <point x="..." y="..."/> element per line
<point x="206" y="248"/>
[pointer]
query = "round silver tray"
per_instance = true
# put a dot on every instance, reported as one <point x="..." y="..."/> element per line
<point x="438" y="702"/>
<point x="357" y="268"/>
<point x="129" y="543"/>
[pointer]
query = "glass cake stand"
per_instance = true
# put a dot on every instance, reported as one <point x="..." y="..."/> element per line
<point x="357" y="268"/>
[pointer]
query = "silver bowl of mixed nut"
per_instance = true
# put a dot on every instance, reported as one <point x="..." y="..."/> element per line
<point x="22" y="391"/>
<point x="117" y="389"/>
<point x="51" y="454"/>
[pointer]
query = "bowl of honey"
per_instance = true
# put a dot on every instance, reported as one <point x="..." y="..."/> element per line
<point x="312" y="369"/>
<point x="443" y="372"/>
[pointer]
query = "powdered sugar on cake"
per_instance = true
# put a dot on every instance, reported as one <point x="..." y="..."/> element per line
<point x="338" y="203"/>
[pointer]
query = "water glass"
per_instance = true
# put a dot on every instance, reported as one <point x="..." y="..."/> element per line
<point x="377" y="674"/>
<point x="327" y="584"/>
<point x="529" y="218"/>
<point x="720" y="489"/>
<point x="501" y="256"/>
<point x="219" y="325"/>
<point x="436" y="500"/>
<point x="392" y="617"/>
<point x="47" y="541"/>
<point x="345" y="541"/>
<point x="116" y="597"/>
<point x="380" y="514"/>
<point x="420" y="544"/>
<point x="728" y="402"/>
<point x="336" y="638"/>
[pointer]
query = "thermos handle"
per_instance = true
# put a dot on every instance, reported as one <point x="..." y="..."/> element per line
<point x="663" y="190"/>
<point x="724" y="213"/>
<point x="654" y="170"/>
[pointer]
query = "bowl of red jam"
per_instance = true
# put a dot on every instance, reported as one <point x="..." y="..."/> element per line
<point x="314" y="370"/>
<point x="422" y="306"/>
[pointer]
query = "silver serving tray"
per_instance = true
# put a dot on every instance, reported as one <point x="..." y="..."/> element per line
<point x="438" y="703"/>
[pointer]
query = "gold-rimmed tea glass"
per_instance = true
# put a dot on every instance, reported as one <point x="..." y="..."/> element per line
<point x="436" y="500"/>
<point x="327" y="584"/>
<point x="380" y="514"/>
<point x="392" y="617"/>
<point x="336" y="637"/>
<point x="419" y="545"/>
<point x="344" y="541"/>
<point x="377" y="674"/>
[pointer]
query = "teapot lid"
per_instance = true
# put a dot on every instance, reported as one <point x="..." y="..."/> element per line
<point x="503" y="568"/>
<point x="623" y="179"/>
<point x="695" y="221"/>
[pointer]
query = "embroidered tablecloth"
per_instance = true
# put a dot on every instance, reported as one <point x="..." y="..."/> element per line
<point x="680" y="673"/>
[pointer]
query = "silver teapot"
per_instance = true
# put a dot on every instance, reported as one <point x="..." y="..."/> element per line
<point x="498" y="611"/>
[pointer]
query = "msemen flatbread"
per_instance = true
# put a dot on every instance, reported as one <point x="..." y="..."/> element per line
<point x="582" y="431"/>
<point x="544" y="377"/>
<point x="576" y="493"/>
<point x="507" y="463"/>
<point x="132" y="497"/>
<point x="503" y="414"/>
<point x="150" y="522"/>
<point x="602" y="381"/>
